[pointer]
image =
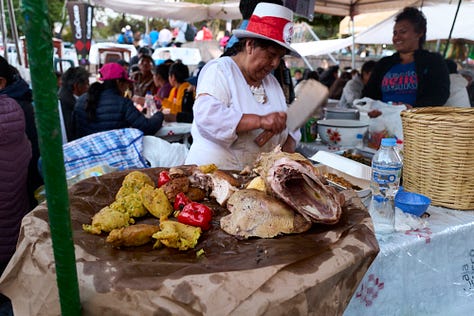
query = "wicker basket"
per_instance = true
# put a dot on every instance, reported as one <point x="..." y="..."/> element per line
<point x="438" y="155"/>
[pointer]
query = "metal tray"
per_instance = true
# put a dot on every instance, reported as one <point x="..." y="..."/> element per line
<point x="362" y="183"/>
<point x="359" y="155"/>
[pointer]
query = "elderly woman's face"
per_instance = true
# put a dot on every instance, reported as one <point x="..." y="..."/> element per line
<point x="405" y="39"/>
<point x="262" y="61"/>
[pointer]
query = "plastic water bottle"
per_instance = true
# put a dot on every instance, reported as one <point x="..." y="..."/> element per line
<point x="360" y="141"/>
<point x="150" y="105"/>
<point x="386" y="172"/>
<point x="399" y="148"/>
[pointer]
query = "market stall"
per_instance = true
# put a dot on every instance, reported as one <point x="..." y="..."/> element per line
<point x="315" y="272"/>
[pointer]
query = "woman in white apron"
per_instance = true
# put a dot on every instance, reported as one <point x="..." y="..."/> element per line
<point x="237" y="97"/>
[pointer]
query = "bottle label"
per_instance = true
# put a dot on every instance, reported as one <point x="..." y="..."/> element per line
<point x="383" y="174"/>
<point x="385" y="179"/>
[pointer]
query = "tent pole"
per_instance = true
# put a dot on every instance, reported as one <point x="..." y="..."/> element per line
<point x="11" y="14"/>
<point x="452" y="27"/>
<point x="317" y="38"/>
<point x="40" y="52"/>
<point x="307" y="63"/>
<point x="353" y="43"/>
<point x="4" y="31"/>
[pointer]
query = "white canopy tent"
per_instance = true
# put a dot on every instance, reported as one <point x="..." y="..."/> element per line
<point x="362" y="22"/>
<point x="185" y="11"/>
<point x="355" y="7"/>
<point x="322" y="47"/>
<point x="439" y="22"/>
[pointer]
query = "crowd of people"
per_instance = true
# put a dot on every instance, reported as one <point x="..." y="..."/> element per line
<point x="178" y="33"/>
<point x="229" y="100"/>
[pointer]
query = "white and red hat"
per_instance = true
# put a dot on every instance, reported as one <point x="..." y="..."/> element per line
<point x="271" y="22"/>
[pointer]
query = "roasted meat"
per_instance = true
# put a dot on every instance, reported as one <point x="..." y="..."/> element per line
<point x="293" y="179"/>
<point x="219" y="184"/>
<point x="176" y="185"/>
<point x="257" y="214"/>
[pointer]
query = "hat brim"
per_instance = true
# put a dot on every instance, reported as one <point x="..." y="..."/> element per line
<point x="246" y="34"/>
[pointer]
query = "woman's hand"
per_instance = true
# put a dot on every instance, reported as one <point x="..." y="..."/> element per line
<point x="139" y="100"/>
<point x="275" y="122"/>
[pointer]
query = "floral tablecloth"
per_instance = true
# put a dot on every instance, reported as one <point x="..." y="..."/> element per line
<point x="423" y="271"/>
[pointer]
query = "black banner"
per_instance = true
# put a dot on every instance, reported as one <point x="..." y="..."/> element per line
<point x="304" y="8"/>
<point x="80" y="18"/>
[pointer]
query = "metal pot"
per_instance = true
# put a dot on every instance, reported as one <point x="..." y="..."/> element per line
<point x="341" y="114"/>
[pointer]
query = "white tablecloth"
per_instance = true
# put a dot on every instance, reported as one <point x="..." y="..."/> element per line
<point x="428" y="271"/>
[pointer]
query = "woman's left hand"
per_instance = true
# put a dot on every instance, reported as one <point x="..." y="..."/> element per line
<point x="275" y="122"/>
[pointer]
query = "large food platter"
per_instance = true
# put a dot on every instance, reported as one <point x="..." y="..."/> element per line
<point x="232" y="276"/>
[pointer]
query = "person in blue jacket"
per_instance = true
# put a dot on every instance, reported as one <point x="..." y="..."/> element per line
<point x="105" y="108"/>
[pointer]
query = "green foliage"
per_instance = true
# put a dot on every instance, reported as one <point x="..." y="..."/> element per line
<point x="325" y="26"/>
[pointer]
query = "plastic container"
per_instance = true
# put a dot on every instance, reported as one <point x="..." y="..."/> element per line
<point x="360" y="141"/>
<point x="343" y="164"/>
<point x="341" y="114"/>
<point x="384" y="184"/>
<point x="413" y="203"/>
<point x="362" y="183"/>
<point x="341" y="132"/>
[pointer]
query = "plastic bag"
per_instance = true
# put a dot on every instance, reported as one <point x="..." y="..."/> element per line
<point x="161" y="153"/>
<point x="389" y="124"/>
<point x="119" y="148"/>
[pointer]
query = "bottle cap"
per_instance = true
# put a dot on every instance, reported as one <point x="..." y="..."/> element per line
<point x="389" y="141"/>
<point x="360" y="136"/>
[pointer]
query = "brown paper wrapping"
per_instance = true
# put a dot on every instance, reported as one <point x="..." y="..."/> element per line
<point x="314" y="273"/>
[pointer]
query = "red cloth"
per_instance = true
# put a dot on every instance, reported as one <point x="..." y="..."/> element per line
<point x="207" y="34"/>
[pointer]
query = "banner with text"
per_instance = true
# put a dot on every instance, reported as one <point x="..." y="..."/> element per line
<point x="80" y="18"/>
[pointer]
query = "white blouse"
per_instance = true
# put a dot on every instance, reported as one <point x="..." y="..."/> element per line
<point x="222" y="97"/>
